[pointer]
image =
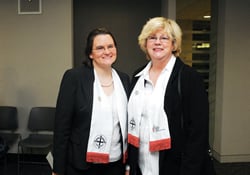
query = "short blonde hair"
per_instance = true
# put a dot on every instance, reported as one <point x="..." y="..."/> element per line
<point x="172" y="29"/>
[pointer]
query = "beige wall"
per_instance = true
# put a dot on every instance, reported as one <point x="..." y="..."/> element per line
<point x="232" y="101"/>
<point x="35" y="50"/>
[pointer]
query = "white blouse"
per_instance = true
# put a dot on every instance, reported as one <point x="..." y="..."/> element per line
<point x="149" y="161"/>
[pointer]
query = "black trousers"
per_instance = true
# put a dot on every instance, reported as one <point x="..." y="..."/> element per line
<point x="113" y="168"/>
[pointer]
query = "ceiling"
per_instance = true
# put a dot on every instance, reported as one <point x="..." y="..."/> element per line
<point x="192" y="9"/>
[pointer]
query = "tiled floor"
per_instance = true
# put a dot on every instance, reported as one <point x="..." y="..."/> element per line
<point x="221" y="169"/>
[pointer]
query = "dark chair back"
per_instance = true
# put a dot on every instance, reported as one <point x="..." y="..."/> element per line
<point x="41" y="119"/>
<point x="8" y="118"/>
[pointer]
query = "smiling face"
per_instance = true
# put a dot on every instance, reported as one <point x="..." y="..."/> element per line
<point x="104" y="52"/>
<point x="159" y="46"/>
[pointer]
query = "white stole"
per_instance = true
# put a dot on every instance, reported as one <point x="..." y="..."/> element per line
<point x="159" y="130"/>
<point x="101" y="129"/>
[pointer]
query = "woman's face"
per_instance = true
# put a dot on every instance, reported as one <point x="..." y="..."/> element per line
<point x="104" y="52"/>
<point x="159" y="46"/>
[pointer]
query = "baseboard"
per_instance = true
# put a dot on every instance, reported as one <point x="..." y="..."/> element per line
<point x="231" y="158"/>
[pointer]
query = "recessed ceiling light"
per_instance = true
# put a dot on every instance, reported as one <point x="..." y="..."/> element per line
<point x="207" y="16"/>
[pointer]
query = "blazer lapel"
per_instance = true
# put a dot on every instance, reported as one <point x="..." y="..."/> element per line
<point x="174" y="73"/>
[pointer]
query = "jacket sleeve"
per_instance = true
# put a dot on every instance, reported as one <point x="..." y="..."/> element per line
<point x="195" y="114"/>
<point x="63" y="120"/>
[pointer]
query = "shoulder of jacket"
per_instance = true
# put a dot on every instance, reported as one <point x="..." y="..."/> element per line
<point x="122" y="74"/>
<point x="79" y="70"/>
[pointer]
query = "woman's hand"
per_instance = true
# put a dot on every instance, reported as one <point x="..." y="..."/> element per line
<point x="127" y="169"/>
<point x="127" y="172"/>
<point x="54" y="173"/>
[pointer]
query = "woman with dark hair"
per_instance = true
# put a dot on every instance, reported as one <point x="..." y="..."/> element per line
<point x="91" y="113"/>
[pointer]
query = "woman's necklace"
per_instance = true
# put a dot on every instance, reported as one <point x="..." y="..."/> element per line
<point x="107" y="85"/>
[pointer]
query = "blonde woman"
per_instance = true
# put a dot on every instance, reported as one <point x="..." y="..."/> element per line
<point x="167" y="135"/>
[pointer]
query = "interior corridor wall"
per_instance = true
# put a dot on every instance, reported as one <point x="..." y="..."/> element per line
<point x="232" y="95"/>
<point x="124" y="19"/>
<point x="35" y="50"/>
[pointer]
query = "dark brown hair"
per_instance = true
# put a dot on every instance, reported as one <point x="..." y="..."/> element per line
<point x="90" y="40"/>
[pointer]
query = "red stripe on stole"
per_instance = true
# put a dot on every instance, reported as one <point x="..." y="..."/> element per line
<point x="159" y="145"/>
<point x="133" y="140"/>
<point x="97" y="157"/>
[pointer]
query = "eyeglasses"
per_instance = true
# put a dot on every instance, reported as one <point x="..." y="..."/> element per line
<point x="100" y="49"/>
<point x="163" y="39"/>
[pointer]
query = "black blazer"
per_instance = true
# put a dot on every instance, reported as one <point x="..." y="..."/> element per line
<point x="188" y="143"/>
<point x="73" y="117"/>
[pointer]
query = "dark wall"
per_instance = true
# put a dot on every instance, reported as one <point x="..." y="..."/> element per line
<point x="124" y="18"/>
